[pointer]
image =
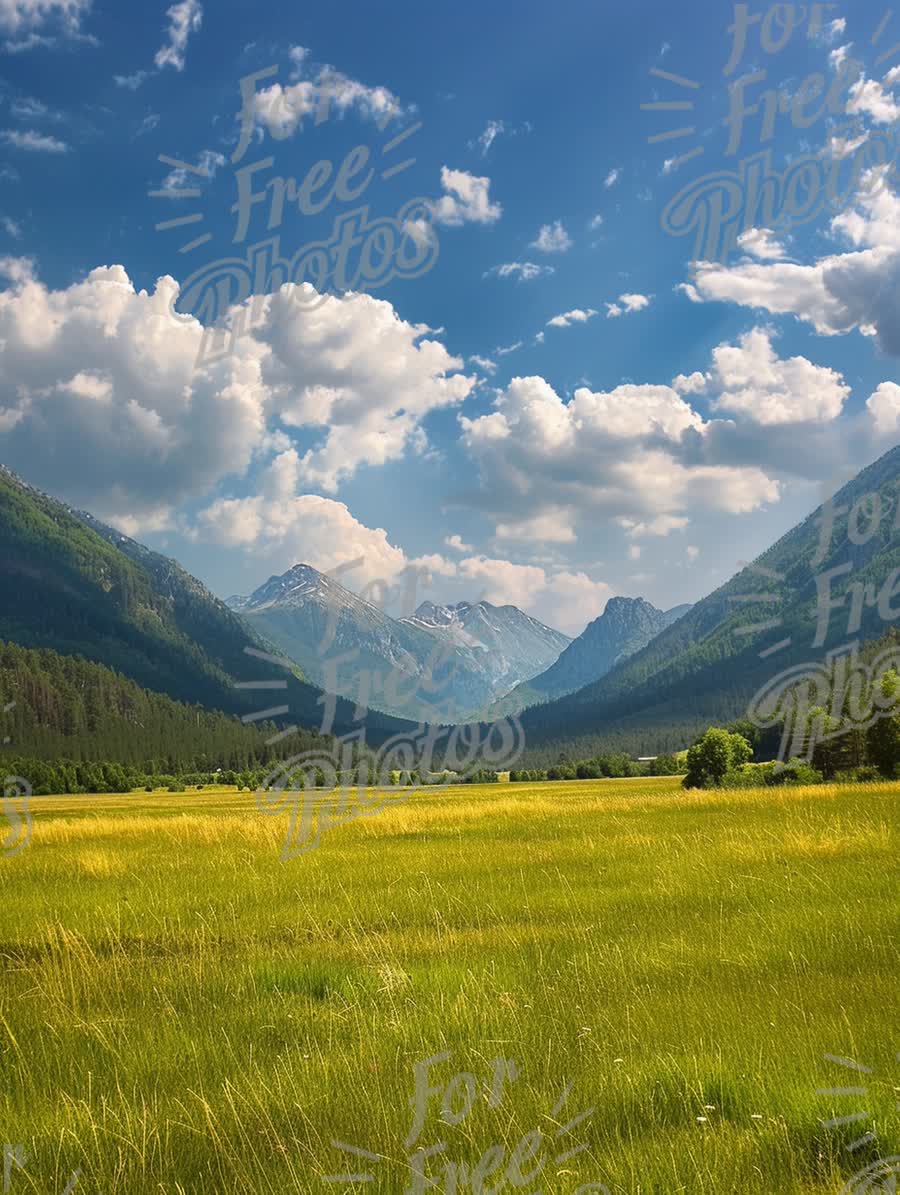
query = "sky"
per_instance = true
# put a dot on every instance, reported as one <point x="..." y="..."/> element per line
<point x="590" y="299"/>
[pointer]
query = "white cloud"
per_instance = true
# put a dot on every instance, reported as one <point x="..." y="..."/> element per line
<point x="613" y="177"/>
<point x="131" y="82"/>
<point x="185" y="18"/>
<point x="694" y="383"/>
<point x="549" y="527"/>
<point x="577" y="315"/>
<point x="356" y="378"/>
<point x="661" y="525"/>
<point x="29" y="21"/>
<point x="466" y="200"/>
<point x="595" y="222"/>
<point x="552" y="238"/>
<point x="753" y="381"/>
<point x="843" y="147"/>
<point x="522" y="271"/>
<point x="282" y="110"/>
<point x="34" y="142"/>
<point x="484" y="363"/>
<point x="283" y="526"/>
<point x="868" y="97"/>
<point x="884" y="407"/>
<point x="626" y="304"/>
<point x="208" y="161"/>
<point x="838" y="293"/>
<point x="642" y="455"/>
<point x="692" y="552"/>
<point x="838" y="57"/>
<point x="505" y="350"/>
<point x="636" y="452"/>
<point x="761" y="243"/>
<point x="493" y="129"/>
<point x="562" y="599"/>
<point x="634" y="552"/>
<point x="280" y="525"/>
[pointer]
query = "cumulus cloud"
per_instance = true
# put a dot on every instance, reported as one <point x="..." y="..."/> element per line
<point x="563" y="599"/>
<point x="693" y="383"/>
<point x="106" y="367"/>
<point x="753" y="381"/>
<point x="552" y="238"/>
<point x="642" y="455"/>
<point x="884" y="407"/>
<point x="185" y="18"/>
<point x="838" y="293"/>
<point x="466" y="200"/>
<point x="577" y="315"/>
<point x="622" y="454"/>
<point x="868" y="97"/>
<point x="522" y="271"/>
<point x="761" y="243"/>
<point x="613" y="177"/>
<point x="318" y="90"/>
<point x="626" y="304"/>
<point x="277" y="524"/>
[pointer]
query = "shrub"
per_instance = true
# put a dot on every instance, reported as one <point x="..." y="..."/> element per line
<point x="713" y="756"/>
<point x="795" y="771"/>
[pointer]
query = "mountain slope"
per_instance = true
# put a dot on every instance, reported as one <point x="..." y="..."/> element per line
<point x="512" y="644"/>
<point x="64" y="707"/>
<point x="435" y="665"/>
<point x="625" y="626"/>
<point x="72" y="584"/>
<point x="707" y="665"/>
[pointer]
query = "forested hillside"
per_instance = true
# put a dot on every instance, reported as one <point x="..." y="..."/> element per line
<point x="65" y="706"/>
<point x="76" y="586"/>
<point x="705" y="668"/>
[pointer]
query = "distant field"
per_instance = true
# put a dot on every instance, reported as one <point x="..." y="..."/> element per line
<point x="181" y="1011"/>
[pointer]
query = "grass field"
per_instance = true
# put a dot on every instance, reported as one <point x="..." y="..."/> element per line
<point x="184" y="1012"/>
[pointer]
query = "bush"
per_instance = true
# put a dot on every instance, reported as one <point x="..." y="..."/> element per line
<point x="867" y="774"/>
<point x="795" y="771"/>
<point x="713" y="756"/>
<point x="750" y="775"/>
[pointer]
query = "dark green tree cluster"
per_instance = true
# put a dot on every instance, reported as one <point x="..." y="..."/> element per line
<point x="64" y="708"/>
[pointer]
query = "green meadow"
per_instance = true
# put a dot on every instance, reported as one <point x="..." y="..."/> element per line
<point x="182" y="1011"/>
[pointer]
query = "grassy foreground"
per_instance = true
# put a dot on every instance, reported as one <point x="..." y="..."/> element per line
<point x="181" y="1011"/>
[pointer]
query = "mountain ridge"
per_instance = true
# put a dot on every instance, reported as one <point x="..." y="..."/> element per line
<point x="436" y="664"/>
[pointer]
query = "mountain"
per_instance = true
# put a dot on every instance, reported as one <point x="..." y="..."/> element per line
<point x="625" y="626"/>
<point x="78" y="587"/>
<point x="512" y="644"/>
<point x="827" y="583"/>
<point x="436" y="665"/>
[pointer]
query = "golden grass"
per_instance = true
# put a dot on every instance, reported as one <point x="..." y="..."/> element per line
<point x="181" y="1011"/>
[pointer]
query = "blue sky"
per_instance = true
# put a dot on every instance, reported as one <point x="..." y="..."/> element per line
<point x="565" y="405"/>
